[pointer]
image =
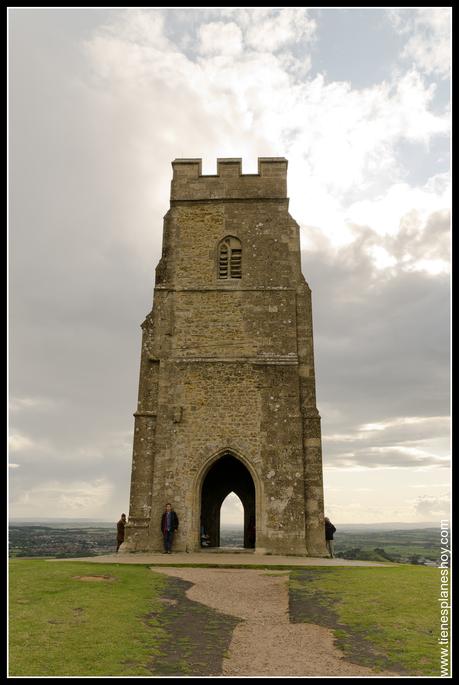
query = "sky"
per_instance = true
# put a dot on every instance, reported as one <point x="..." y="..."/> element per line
<point x="100" y="102"/>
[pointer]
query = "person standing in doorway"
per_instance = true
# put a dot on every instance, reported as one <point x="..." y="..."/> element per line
<point x="169" y="524"/>
<point x="329" y="530"/>
<point x="120" y="531"/>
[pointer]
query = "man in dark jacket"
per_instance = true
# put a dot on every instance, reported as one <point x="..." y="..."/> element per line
<point x="329" y="530"/>
<point x="120" y="531"/>
<point x="169" y="524"/>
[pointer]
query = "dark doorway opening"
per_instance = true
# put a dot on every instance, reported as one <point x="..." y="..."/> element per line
<point x="226" y="475"/>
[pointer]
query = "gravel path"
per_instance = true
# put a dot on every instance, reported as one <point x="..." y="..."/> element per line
<point x="265" y="643"/>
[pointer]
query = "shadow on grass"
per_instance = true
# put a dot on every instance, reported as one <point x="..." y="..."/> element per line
<point x="310" y="605"/>
<point x="198" y="636"/>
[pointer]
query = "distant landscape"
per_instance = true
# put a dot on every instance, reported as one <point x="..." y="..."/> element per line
<point x="72" y="538"/>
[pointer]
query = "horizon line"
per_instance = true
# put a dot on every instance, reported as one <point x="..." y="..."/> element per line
<point x="109" y="520"/>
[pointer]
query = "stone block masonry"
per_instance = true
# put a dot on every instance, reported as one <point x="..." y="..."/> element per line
<point x="227" y="387"/>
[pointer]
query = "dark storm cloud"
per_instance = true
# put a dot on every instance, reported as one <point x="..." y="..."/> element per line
<point x="82" y="257"/>
<point x="83" y="252"/>
<point x="404" y="443"/>
<point x="381" y="343"/>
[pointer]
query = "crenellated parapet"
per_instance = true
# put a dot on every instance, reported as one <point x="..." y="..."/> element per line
<point x="188" y="182"/>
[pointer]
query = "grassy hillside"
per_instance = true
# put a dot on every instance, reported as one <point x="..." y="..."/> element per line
<point x="133" y="622"/>
<point x="401" y="546"/>
<point x="382" y="617"/>
<point x="137" y="622"/>
<point x="63" y="626"/>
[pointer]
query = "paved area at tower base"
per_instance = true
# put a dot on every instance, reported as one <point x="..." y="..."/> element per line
<point x="221" y="559"/>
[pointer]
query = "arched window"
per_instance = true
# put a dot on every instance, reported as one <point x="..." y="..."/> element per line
<point x="230" y="258"/>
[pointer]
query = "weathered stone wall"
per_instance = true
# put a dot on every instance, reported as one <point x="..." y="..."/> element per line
<point x="248" y="409"/>
<point x="227" y="365"/>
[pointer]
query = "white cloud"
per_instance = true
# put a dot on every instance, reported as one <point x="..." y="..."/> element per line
<point x="430" y="266"/>
<point x="381" y="257"/>
<point x="117" y="444"/>
<point x="17" y="404"/>
<point x="270" y="32"/>
<point x="411" y="442"/>
<point x="429" y="44"/>
<point x="342" y="143"/>
<point x="381" y="495"/>
<point x="361" y="512"/>
<point x="402" y="205"/>
<point x="430" y="506"/>
<point x="141" y="28"/>
<point x="60" y="449"/>
<point x="219" y="38"/>
<point x="64" y="498"/>
<point x="18" y="442"/>
<point x="268" y="29"/>
<point x="442" y="421"/>
<point x="416" y="241"/>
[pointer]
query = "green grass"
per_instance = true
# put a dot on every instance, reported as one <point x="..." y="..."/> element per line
<point x="386" y="618"/>
<point x="383" y="617"/>
<point x="62" y="626"/>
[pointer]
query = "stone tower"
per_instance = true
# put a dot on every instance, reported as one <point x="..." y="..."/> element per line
<point x="227" y="389"/>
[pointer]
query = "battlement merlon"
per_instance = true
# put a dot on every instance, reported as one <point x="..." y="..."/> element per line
<point x="188" y="183"/>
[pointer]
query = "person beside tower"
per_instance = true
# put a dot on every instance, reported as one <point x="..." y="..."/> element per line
<point x="169" y="524"/>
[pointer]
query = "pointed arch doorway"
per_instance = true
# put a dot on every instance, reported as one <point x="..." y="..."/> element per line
<point x="227" y="474"/>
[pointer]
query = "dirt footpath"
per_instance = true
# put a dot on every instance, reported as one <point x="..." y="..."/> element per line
<point x="265" y="643"/>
